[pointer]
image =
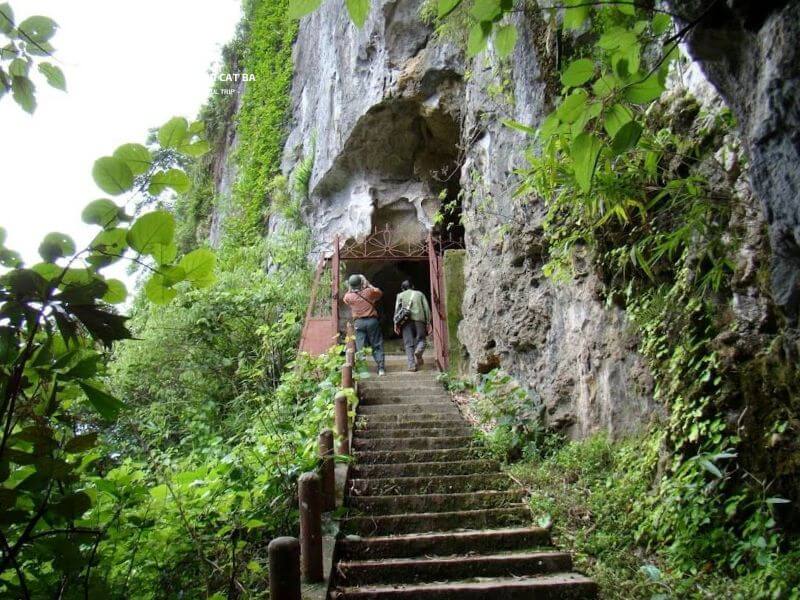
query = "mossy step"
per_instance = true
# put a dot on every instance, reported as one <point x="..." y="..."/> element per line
<point x="408" y="409"/>
<point x="425" y="470"/>
<point x="396" y="432"/>
<point x="430" y="503"/>
<point x="379" y="398"/>
<point x="401" y="387"/>
<point x="412" y="456"/>
<point x="415" y="443"/>
<point x="558" y="586"/>
<point x="432" y="484"/>
<point x="437" y="521"/>
<point x="443" y="544"/>
<point x="428" y="569"/>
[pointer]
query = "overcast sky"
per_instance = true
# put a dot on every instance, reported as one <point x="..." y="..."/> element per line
<point x="129" y="66"/>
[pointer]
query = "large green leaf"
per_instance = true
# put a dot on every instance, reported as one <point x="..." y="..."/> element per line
<point x="505" y="39"/>
<point x="199" y="267"/>
<point x="486" y="10"/>
<point x="157" y="290"/>
<point x="56" y="245"/>
<point x="627" y="137"/>
<point x="478" y="38"/>
<point x="661" y="22"/>
<point x="164" y="253"/>
<point x="103" y="212"/>
<point x="445" y="7"/>
<point x="157" y="227"/>
<point x="37" y="29"/>
<point x="174" y="178"/>
<point x="195" y="149"/>
<point x="575" y="16"/>
<point x="358" y="9"/>
<point x="116" y="293"/>
<point x="577" y="72"/>
<point x="617" y="37"/>
<point x="105" y="326"/>
<point x="6" y="18"/>
<point x="104" y="403"/>
<point x="626" y="7"/>
<point x="18" y="67"/>
<point x="572" y="106"/>
<point x="23" y="90"/>
<point x="173" y="133"/>
<point x="54" y="76"/>
<point x="136" y="156"/>
<point x="585" y="151"/>
<point x="112" y="175"/>
<point x="108" y="247"/>
<point x="643" y="92"/>
<point x="615" y="117"/>
<point x="300" y="8"/>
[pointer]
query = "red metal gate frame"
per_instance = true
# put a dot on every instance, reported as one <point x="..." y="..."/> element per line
<point x="323" y="330"/>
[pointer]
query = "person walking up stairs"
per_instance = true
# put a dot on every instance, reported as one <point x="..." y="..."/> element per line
<point x="428" y="517"/>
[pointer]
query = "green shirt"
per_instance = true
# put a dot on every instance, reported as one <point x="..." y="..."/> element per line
<point x="417" y="303"/>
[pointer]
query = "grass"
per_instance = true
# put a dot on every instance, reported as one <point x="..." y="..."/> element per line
<point x="593" y="491"/>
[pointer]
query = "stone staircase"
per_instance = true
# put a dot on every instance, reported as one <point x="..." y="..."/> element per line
<point x="428" y="518"/>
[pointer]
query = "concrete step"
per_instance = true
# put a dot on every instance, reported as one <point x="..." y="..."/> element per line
<point x="557" y="586"/>
<point x="435" y="503"/>
<point x="427" y="569"/>
<point x="441" y="484"/>
<point x="406" y="420"/>
<point x="414" y="443"/>
<point x="437" y="521"/>
<point x="445" y="430"/>
<point x="443" y="544"/>
<point x="410" y="408"/>
<point x="415" y="456"/>
<point x="425" y="470"/>
<point x="403" y="398"/>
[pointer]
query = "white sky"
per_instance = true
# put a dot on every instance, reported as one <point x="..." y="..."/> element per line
<point x="129" y="66"/>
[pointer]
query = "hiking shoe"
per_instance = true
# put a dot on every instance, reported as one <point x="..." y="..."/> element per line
<point x="412" y="369"/>
<point x="381" y="372"/>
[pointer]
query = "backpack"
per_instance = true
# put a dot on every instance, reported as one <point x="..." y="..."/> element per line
<point x="402" y="315"/>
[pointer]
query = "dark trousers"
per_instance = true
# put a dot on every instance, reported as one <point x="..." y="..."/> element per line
<point x="368" y="333"/>
<point x="414" y="334"/>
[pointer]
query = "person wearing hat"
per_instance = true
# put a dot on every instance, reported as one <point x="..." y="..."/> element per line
<point x="362" y="299"/>
<point x="414" y="322"/>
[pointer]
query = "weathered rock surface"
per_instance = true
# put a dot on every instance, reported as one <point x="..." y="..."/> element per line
<point x="748" y="49"/>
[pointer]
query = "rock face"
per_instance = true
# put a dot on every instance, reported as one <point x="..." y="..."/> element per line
<point x="381" y="107"/>
<point x="748" y="49"/>
<point x="394" y="122"/>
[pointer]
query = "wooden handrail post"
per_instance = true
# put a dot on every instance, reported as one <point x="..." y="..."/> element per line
<point x="310" y="527"/>
<point x="326" y="471"/>
<point x="284" y="568"/>
<point x="342" y="427"/>
<point x="347" y="376"/>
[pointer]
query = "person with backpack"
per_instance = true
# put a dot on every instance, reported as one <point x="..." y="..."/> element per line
<point x="362" y="299"/>
<point x="412" y="317"/>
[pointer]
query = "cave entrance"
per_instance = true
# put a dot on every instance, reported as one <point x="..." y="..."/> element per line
<point x="385" y="259"/>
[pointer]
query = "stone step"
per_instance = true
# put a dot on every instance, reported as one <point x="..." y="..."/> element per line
<point x="432" y="484"/>
<point x="437" y="521"/>
<point x="409" y="409"/>
<point x="557" y="586"/>
<point x="406" y="420"/>
<point x="415" y="443"/>
<point x="397" y="432"/>
<point x="402" y="387"/>
<point x="415" y="456"/>
<point x="443" y="544"/>
<point x="424" y="470"/>
<point x="428" y="569"/>
<point x="435" y="503"/>
<point x="403" y="398"/>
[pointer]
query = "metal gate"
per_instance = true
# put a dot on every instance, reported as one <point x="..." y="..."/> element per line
<point x="321" y="327"/>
